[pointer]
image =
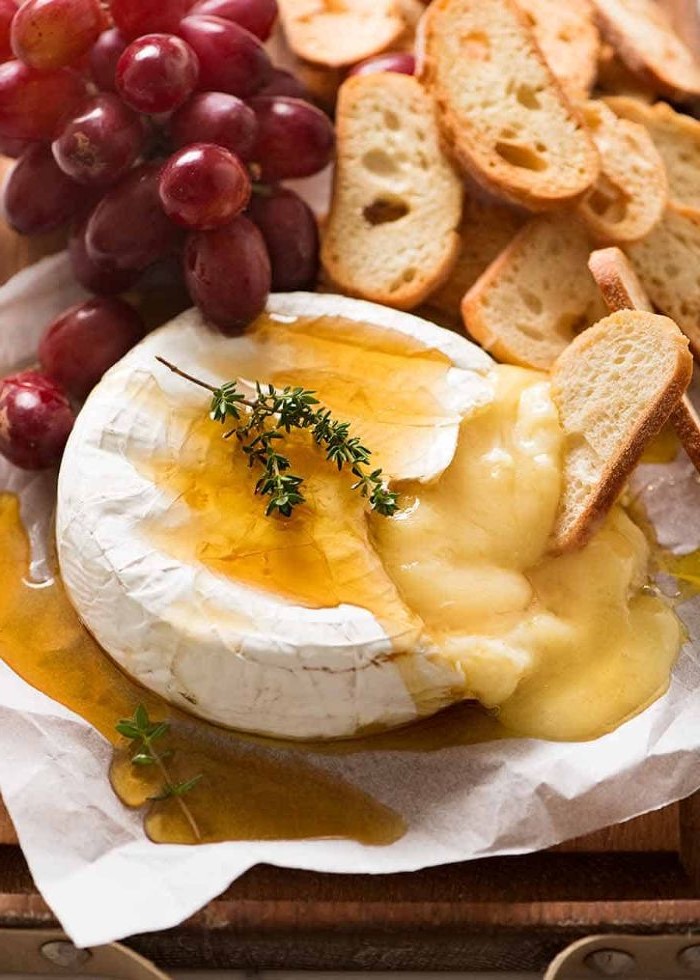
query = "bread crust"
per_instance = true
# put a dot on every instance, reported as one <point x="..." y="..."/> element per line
<point x="617" y="280"/>
<point x="519" y="183"/>
<point x="686" y="422"/>
<point x="569" y="41"/>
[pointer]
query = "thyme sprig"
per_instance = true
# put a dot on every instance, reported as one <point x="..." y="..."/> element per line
<point x="144" y="733"/>
<point x="271" y="413"/>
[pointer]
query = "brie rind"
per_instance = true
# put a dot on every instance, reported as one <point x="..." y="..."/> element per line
<point x="222" y="650"/>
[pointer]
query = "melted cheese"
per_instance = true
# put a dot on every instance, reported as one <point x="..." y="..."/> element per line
<point x="336" y="621"/>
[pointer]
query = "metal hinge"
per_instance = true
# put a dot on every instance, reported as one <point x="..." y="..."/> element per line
<point x="48" y="952"/>
<point x="629" y="957"/>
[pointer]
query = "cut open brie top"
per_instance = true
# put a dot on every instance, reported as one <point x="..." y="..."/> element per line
<point x="338" y="621"/>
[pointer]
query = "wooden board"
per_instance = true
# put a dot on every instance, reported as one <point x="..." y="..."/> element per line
<point x="494" y="914"/>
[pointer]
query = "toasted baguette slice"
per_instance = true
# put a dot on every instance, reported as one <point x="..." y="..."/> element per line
<point x="676" y="137"/>
<point x="503" y="113"/>
<point x="535" y="297"/>
<point x="630" y="195"/>
<point x="568" y="39"/>
<point x="615" y="386"/>
<point x="486" y="229"/>
<point x="391" y="235"/>
<point x="622" y="290"/>
<point x="667" y="262"/>
<point x="338" y="34"/>
<point x="617" y="280"/>
<point x="642" y="34"/>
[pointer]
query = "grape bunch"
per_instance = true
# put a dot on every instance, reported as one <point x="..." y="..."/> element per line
<point x="158" y="132"/>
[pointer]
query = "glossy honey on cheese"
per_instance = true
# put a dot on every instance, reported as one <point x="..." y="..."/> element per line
<point x="562" y="648"/>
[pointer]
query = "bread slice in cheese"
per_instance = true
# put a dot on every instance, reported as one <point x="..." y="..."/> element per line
<point x="622" y="290"/>
<point x="615" y="386"/>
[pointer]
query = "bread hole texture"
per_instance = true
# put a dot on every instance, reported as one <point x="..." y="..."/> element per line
<point x="520" y="155"/>
<point x="384" y="210"/>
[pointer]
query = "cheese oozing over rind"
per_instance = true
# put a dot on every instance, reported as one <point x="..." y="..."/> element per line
<point x="340" y="621"/>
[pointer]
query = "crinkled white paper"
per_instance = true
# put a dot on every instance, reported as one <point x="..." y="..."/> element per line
<point x="86" y="850"/>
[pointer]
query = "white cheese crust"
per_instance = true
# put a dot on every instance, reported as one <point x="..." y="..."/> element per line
<point x="222" y="650"/>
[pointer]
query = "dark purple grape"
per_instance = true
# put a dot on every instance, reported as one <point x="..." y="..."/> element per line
<point x="38" y="196"/>
<point x="129" y="229"/>
<point x="284" y="83"/>
<point x="204" y="186"/>
<point x="214" y="117"/>
<point x="104" y="56"/>
<point x="290" y="231"/>
<point x="101" y="143"/>
<point x="402" y="62"/>
<point x="231" y="59"/>
<point x="227" y="272"/>
<point x="294" y="139"/>
<point x="257" y="16"/>
<point x="98" y="277"/>
<point x="36" y="420"/>
<point x="157" y="73"/>
<point x="86" y="340"/>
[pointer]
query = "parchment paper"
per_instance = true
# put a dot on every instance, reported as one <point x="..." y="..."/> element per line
<point x="105" y="880"/>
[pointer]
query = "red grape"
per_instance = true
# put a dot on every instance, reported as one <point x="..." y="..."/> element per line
<point x="284" y="83"/>
<point x="129" y="229"/>
<point x="102" y="278"/>
<point x="33" y="104"/>
<point x="402" y="62"/>
<point x="14" y="148"/>
<point x="49" y="34"/>
<point x="204" y="186"/>
<point x="8" y="9"/>
<point x="101" y="143"/>
<point x="104" y="56"/>
<point x="38" y="196"/>
<point x="290" y="231"/>
<point x="36" y="420"/>
<point x="134" y="18"/>
<point x="228" y="274"/>
<point x="214" y="117"/>
<point x="257" y="16"/>
<point x="157" y="73"/>
<point x="231" y="59"/>
<point x="86" y="340"/>
<point x="294" y="139"/>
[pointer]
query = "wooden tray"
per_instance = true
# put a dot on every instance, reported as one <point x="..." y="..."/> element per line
<point x="494" y="914"/>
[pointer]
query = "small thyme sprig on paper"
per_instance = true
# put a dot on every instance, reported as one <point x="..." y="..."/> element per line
<point x="145" y="733"/>
<point x="263" y="422"/>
